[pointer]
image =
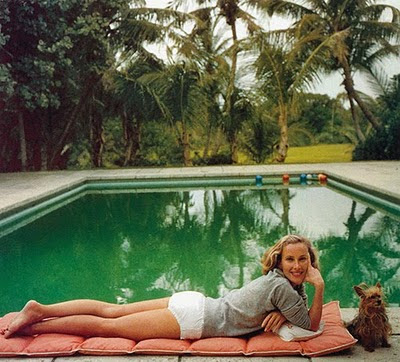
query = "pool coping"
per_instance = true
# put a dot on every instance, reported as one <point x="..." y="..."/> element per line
<point x="19" y="190"/>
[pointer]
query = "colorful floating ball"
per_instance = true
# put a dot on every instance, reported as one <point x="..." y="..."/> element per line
<point x="309" y="176"/>
<point x="259" y="180"/>
<point x="303" y="178"/>
<point x="322" y="178"/>
<point x="285" y="178"/>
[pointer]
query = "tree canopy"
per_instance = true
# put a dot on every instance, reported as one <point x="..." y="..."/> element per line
<point x="79" y="78"/>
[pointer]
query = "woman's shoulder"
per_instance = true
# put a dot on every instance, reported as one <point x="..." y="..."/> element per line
<point x="277" y="274"/>
<point x="277" y="277"/>
<point x="274" y="277"/>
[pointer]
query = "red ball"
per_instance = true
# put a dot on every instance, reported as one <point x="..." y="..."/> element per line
<point x="322" y="178"/>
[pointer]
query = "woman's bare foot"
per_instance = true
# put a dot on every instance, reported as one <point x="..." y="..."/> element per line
<point x="31" y="313"/>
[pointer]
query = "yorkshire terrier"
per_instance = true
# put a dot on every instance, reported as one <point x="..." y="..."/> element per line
<point x="371" y="326"/>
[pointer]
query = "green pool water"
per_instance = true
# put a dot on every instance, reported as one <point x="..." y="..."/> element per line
<point x="129" y="246"/>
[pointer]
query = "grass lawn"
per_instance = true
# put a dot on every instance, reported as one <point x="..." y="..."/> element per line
<point x="312" y="154"/>
<point x="320" y="153"/>
<point x="308" y="154"/>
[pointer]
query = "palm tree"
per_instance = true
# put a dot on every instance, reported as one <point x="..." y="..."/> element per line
<point x="179" y="87"/>
<point x="368" y="35"/>
<point x="232" y="11"/>
<point x="283" y="70"/>
<point x="207" y="47"/>
<point x="260" y="134"/>
<point x="137" y="103"/>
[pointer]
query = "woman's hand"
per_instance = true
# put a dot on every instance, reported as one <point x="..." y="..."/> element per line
<point x="273" y="321"/>
<point x="313" y="275"/>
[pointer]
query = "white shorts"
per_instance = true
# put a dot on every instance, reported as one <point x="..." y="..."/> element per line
<point x="188" y="309"/>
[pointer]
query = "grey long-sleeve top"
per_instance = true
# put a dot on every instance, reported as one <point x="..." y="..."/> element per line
<point x="242" y="311"/>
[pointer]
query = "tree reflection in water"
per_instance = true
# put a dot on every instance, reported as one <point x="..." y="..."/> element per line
<point x="134" y="246"/>
<point x="356" y="257"/>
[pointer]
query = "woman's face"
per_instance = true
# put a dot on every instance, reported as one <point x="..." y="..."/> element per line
<point x="294" y="262"/>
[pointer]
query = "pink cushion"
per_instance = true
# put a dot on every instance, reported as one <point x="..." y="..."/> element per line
<point x="269" y="344"/>
<point x="162" y="346"/>
<point x="334" y="338"/>
<point x="219" y="346"/>
<point x="53" y="344"/>
<point x="107" y="346"/>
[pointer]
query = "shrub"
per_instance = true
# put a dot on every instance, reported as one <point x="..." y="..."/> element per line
<point x="383" y="144"/>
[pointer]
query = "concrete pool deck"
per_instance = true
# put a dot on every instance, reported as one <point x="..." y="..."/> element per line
<point x="19" y="190"/>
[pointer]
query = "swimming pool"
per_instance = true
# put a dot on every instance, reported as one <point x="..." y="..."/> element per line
<point x="125" y="241"/>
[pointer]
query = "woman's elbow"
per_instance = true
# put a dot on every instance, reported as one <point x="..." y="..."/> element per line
<point x="314" y="327"/>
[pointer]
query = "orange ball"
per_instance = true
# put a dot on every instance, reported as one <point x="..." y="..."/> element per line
<point x="322" y="178"/>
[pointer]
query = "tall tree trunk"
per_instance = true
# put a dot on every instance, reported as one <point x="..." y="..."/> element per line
<point x="283" y="145"/>
<point x="22" y="141"/>
<point x="232" y="75"/>
<point x="128" y="136"/>
<point x="44" y="143"/>
<point x="43" y="154"/>
<point x="59" y="146"/>
<point x="137" y="137"/>
<point x="96" y="137"/>
<point x="234" y="149"/>
<point x="356" y="123"/>
<point x="132" y="134"/>
<point x="186" y="146"/>
<point x="208" y="139"/>
<point x="229" y="92"/>
<point x="218" y="140"/>
<point x="349" y="86"/>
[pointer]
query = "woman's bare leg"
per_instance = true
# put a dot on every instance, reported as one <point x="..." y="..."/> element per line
<point x="157" y="323"/>
<point x="34" y="312"/>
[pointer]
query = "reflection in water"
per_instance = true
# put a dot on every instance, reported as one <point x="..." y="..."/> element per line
<point x="135" y="246"/>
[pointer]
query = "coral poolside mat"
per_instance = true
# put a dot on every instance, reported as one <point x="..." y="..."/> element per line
<point x="334" y="338"/>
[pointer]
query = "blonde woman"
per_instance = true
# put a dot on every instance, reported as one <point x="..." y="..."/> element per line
<point x="265" y="303"/>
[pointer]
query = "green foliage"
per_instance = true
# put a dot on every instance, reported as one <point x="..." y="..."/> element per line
<point x="384" y="144"/>
<point x="222" y="158"/>
<point x="79" y="88"/>
<point x="325" y="118"/>
<point x="181" y="93"/>
<point x="159" y="146"/>
<point x="316" y="111"/>
<point x="260" y="136"/>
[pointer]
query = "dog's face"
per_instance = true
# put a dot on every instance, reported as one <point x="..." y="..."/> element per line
<point x="372" y="297"/>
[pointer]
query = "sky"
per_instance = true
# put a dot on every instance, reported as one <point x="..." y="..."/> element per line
<point x="331" y="84"/>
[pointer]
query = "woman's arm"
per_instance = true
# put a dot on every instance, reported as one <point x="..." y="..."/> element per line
<point x="314" y="277"/>
<point x="273" y="321"/>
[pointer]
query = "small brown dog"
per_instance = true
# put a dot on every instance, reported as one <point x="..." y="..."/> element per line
<point x="371" y="326"/>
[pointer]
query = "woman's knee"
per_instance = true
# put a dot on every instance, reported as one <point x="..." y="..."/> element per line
<point x="111" y="310"/>
<point x="109" y="327"/>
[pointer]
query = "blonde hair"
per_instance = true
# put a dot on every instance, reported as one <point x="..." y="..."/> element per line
<point x="273" y="255"/>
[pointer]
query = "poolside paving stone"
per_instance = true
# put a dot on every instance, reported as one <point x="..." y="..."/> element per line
<point x="20" y="189"/>
<point x="135" y="358"/>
